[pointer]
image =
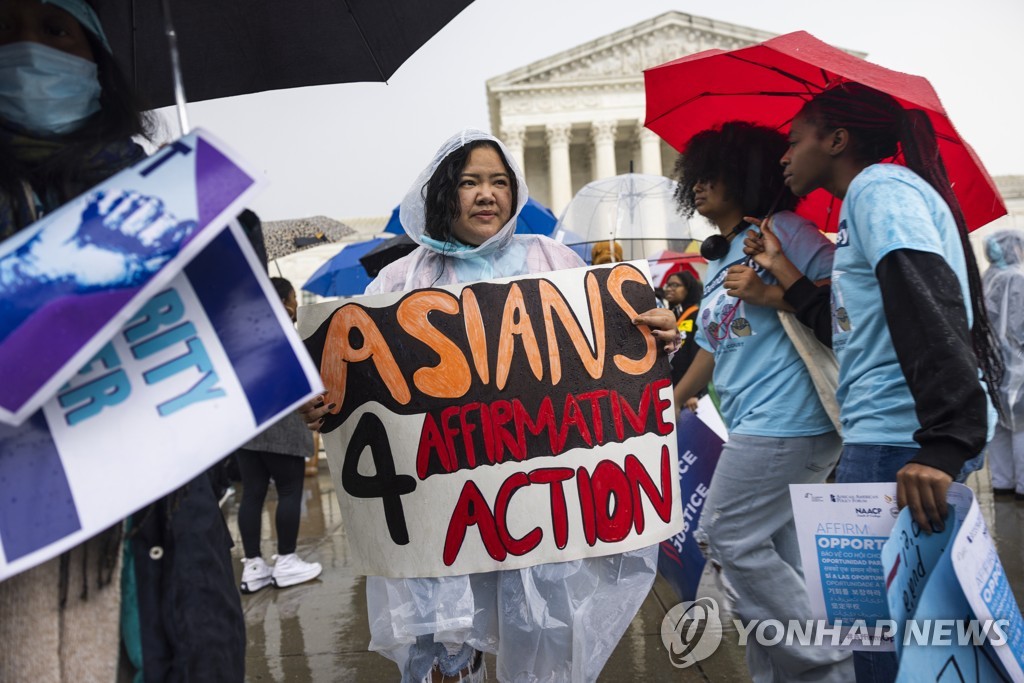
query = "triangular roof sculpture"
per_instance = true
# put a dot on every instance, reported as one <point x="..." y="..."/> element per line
<point x="619" y="59"/>
<point x="578" y="115"/>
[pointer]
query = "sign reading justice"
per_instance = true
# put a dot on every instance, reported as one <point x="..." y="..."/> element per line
<point x="499" y="424"/>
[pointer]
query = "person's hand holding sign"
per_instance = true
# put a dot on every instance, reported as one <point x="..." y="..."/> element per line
<point x="662" y="323"/>
<point x="314" y="410"/>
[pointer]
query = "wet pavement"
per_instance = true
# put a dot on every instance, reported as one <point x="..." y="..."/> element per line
<point x="318" y="631"/>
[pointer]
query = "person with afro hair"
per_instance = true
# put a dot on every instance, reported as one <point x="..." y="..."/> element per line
<point x="779" y="433"/>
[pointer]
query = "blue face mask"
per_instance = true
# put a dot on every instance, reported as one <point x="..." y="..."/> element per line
<point x="44" y="90"/>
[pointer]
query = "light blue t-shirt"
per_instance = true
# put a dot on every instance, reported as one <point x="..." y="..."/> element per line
<point x="887" y="207"/>
<point x="762" y="381"/>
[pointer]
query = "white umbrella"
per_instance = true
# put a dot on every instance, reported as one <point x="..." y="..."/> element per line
<point x="636" y="210"/>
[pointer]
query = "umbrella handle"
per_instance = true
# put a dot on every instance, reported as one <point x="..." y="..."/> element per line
<point x="179" y="85"/>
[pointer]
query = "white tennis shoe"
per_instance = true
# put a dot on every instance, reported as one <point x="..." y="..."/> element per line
<point x="256" y="575"/>
<point x="290" y="570"/>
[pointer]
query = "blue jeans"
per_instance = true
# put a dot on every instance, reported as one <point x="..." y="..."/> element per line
<point x="867" y="463"/>
<point x="748" y="525"/>
<point x="873" y="463"/>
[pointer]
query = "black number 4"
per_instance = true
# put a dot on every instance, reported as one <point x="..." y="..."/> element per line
<point x="384" y="483"/>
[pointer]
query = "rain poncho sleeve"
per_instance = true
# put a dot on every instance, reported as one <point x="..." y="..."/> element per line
<point x="1003" y="284"/>
<point x="551" y="622"/>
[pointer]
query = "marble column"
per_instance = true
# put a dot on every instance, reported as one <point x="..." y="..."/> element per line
<point x="650" y="150"/>
<point x="558" y="136"/>
<point x="514" y="138"/>
<point x="603" y="135"/>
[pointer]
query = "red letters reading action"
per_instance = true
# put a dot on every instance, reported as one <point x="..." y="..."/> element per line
<point x="611" y="501"/>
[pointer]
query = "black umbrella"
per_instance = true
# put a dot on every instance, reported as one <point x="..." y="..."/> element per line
<point x="236" y="47"/>
<point x="386" y="252"/>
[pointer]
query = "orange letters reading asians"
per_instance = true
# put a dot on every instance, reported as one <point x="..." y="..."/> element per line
<point x="451" y="377"/>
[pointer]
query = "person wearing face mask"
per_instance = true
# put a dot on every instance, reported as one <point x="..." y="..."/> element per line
<point x="67" y="122"/>
<point x="67" y="115"/>
<point x="552" y="622"/>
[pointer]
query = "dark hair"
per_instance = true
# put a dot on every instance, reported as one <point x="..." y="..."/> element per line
<point x="282" y="287"/>
<point x="441" y="193"/>
<point x="880" y="129"/>
<point x="122" y="113"/>
<point x="694" y="288"/>
<point x="744" y="158"/>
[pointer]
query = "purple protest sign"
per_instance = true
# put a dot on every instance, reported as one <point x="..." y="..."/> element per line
<point x="69" y="281"/>
<point x="681" y="561"/>
<point x="201" y="367"/>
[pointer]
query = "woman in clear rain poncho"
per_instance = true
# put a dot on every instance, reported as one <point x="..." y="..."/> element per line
<point x="1003" y="284"/>
<point x="552" y="622"/>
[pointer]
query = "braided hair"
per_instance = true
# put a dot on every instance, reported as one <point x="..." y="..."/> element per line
<point x="881" y="129"/>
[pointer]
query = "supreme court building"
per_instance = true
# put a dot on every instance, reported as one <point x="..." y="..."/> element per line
<point x="578" y="116"/>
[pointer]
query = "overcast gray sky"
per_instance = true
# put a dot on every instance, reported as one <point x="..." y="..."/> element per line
<point x="353" y="149"/>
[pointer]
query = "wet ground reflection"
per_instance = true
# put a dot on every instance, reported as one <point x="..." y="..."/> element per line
<point x="318" y="631"/>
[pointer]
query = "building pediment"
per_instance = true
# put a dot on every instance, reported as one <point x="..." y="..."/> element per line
<point x="625" y="54"/>
<point x="578" y="114"/>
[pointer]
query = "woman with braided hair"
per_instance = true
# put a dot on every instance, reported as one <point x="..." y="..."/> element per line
<point x="904" y="311"/>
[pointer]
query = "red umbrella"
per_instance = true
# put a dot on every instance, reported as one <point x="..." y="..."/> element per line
<point x="769" y="82"/>
<point x="667" y="262"/>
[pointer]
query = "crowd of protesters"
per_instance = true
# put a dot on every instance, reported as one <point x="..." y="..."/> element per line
<point x="915" y="409"/>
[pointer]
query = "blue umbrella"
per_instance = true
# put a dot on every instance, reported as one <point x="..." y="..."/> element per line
<point x="343" y="275"/>
<point x="534" y="219"/>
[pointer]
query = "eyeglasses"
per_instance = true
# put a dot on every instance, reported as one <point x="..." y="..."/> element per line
<point x="673" y="285"/>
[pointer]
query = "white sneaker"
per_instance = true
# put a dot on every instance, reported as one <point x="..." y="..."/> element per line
<point x="228" y="492"/>
<point x="256" y="575"/>
<point x="290" y="569"/>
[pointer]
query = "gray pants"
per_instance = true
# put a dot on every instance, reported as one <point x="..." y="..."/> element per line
<point x="748" y="526"/>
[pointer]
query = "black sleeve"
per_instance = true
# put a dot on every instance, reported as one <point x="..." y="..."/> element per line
<point x="813" y="306"/>
<point x="927" y="319"/>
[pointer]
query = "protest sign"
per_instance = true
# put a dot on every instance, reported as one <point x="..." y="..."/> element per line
<point x="942" y="587"/>
<point x="72" y="279"/>
<point x="948" y="610"/>
<point x="498" y="424"/>
<point x="841" y="529"/>
<point x="701" y="436"/>
<point x="201" y="367"/>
